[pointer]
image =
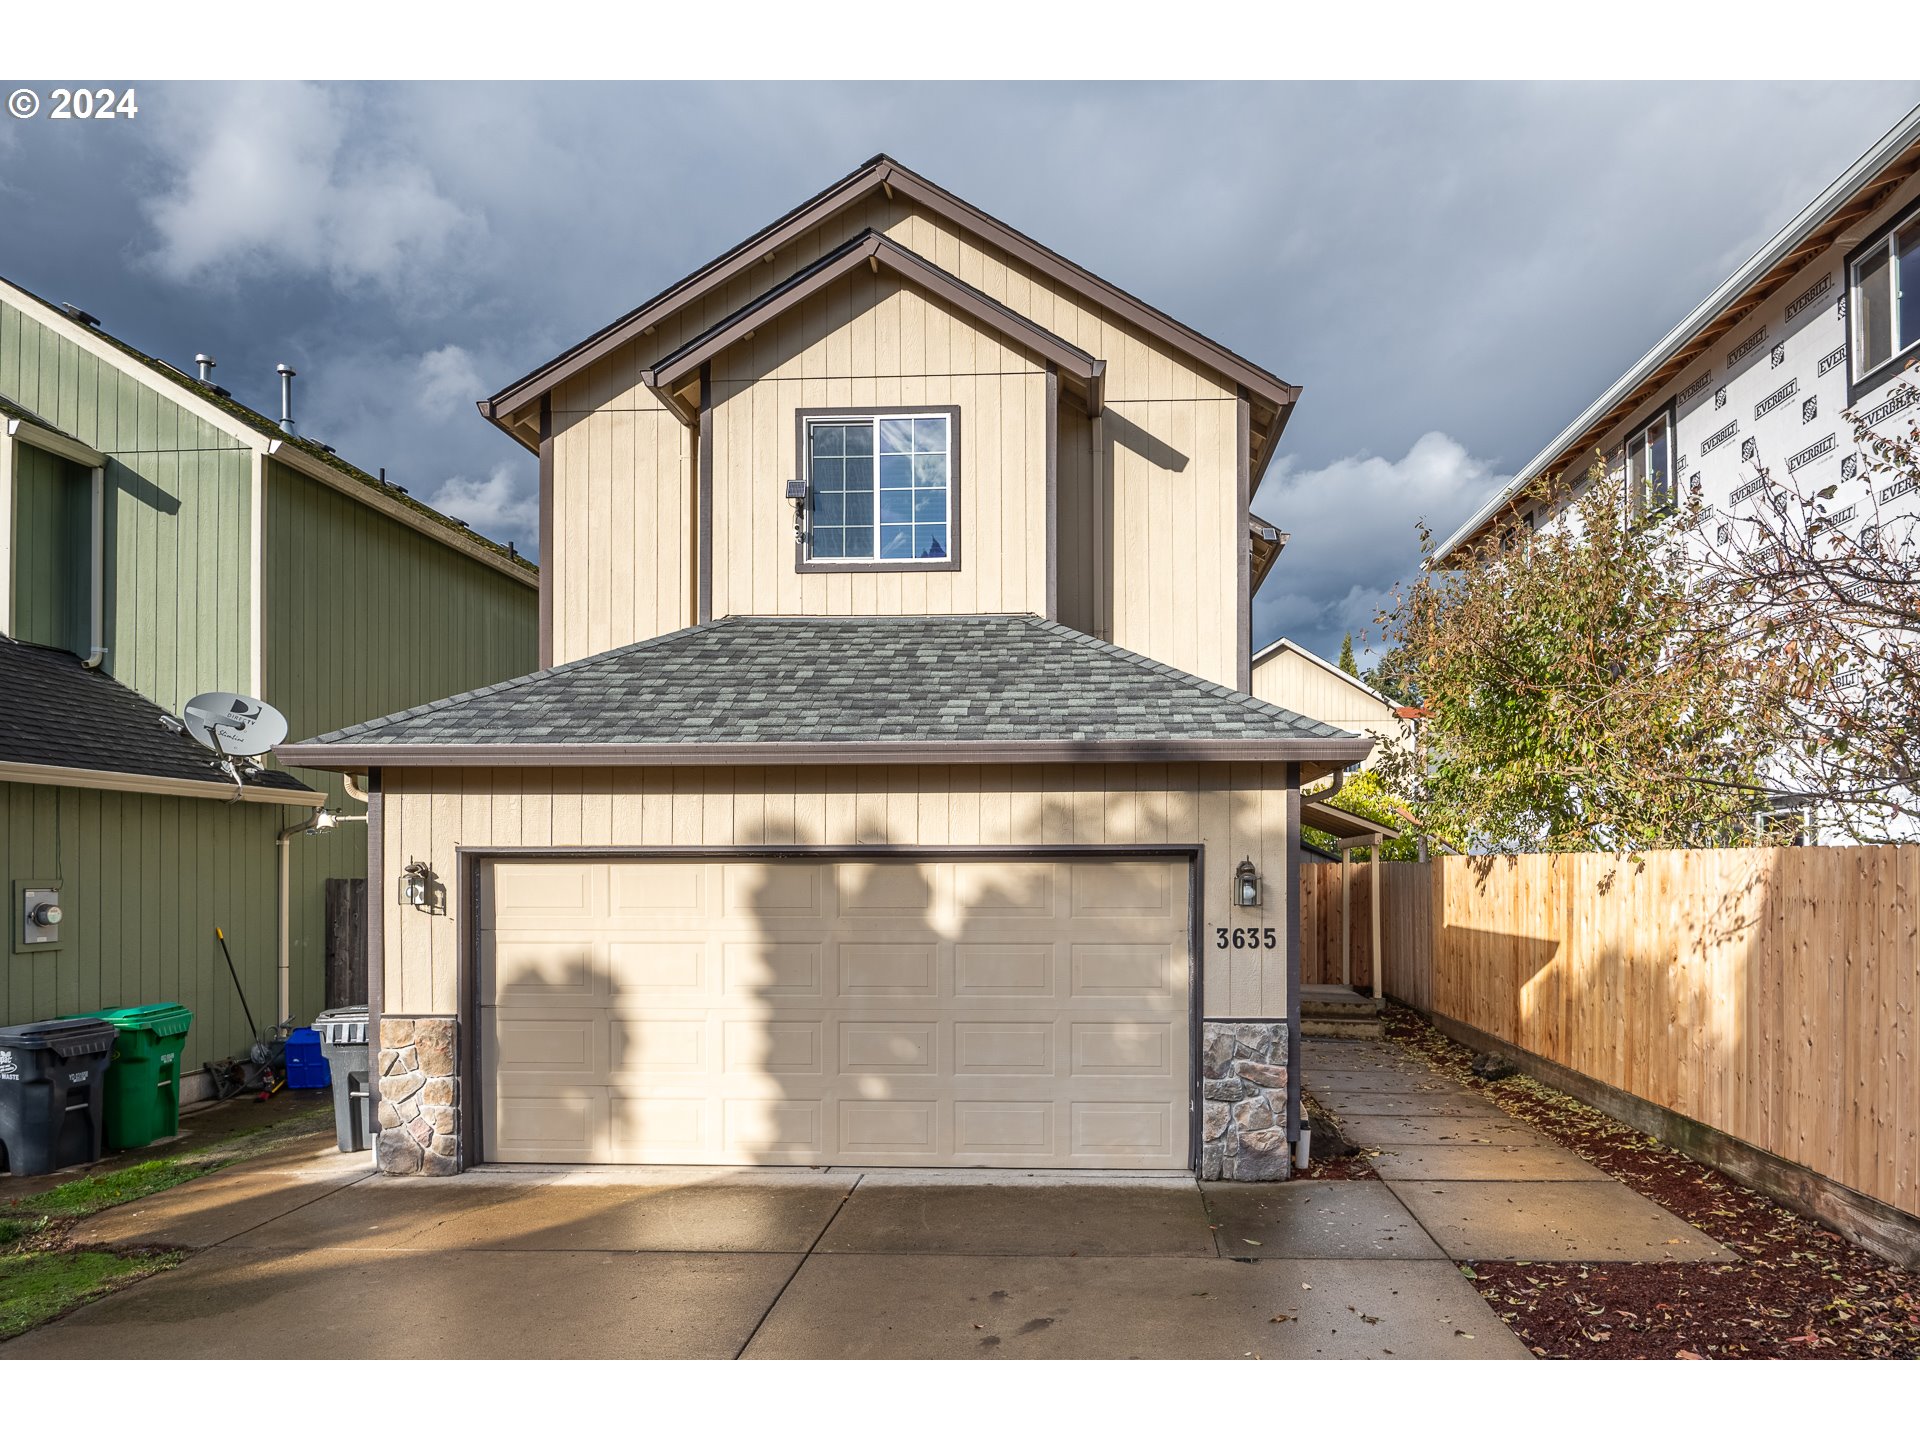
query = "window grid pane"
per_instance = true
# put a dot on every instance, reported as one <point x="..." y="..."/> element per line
<point x="893" y="468"/>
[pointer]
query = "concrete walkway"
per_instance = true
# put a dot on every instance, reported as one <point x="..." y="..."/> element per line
<point x="310" y="1255"/>
<point x="1482" y="1184"/>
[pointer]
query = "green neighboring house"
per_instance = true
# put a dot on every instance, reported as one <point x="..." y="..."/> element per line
<point x="157" y="540"/>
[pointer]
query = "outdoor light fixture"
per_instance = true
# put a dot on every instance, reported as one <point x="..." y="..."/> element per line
<point x="417" y="885"/>
<point x="1246" y="884"/>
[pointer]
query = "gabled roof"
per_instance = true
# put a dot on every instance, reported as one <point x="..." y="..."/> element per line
<point x="298" y="452"/>
<point x="1290" y="647"/>
<point x="63" y="724"/>
<point x="883" y="173"/>
<point x="944" y="689"/>
<point x="1082" y="371"/>
<point x="1862" y="189"/>
<point x="22" y="424"/>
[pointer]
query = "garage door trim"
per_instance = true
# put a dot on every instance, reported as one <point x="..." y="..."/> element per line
<point x="470" y="859"/>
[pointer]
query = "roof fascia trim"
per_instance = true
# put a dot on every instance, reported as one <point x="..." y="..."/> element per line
<point x="354" y="757"/>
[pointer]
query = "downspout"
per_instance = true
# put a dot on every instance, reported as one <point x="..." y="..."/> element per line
<point x="283" y="970"/>
<point x="97" y="634"/>
<point x="283" y="984"/>
<point x="1291" y="868"/>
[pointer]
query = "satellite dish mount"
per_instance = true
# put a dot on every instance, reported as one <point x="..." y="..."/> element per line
<point x="238" y="729"/>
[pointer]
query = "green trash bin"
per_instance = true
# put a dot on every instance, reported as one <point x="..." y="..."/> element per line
<point x="143" y="1085"/>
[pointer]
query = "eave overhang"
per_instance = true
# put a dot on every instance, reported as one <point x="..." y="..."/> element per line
<point x="1272" y="398"/>
<point x="1084" y="374"/>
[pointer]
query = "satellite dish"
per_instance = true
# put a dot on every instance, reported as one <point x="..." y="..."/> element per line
<point x="234" y="725"/>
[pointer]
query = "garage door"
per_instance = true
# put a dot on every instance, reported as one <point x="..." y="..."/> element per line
<point x="1000" y="1013"/>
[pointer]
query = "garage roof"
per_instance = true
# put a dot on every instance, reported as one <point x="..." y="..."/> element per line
<point x="845" y="690"/>
<point x="64" y="724"/>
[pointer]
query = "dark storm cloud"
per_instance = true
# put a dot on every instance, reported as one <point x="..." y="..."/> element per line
<point x="1451" y="271"/>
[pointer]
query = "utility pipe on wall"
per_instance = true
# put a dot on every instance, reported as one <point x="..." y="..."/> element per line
<point x="318" y="823"/>
<point x="97" y="631"/>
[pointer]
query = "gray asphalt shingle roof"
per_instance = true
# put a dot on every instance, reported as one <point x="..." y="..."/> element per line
<point x="907" y="679"/>
<point x="58" y="712"/>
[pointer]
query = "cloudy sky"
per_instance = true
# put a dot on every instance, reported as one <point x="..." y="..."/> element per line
<point x="1451" y="270"/>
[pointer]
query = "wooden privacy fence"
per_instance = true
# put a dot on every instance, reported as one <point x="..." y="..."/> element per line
<point x="1320" y="925"/>
<point x="1769" y="994"/>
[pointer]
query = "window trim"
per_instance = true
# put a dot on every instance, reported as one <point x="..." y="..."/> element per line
<point x="1636" y="511"/>
<point x="1859" y="383"/>
<point x="804" y="564"/>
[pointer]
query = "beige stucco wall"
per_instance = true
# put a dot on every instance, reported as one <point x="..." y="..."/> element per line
<point x="1150" y="528"/>
<point x="1234" y="811"/>
<point x="871" y="340"/>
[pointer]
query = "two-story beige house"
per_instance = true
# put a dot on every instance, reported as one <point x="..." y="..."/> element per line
<point x="893" y="795"/>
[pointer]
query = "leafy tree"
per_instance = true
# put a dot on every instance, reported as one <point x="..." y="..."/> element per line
<point x="1346" y="656"/>
<point x="1576" y="696"/>
<point x="1818" y="596"/>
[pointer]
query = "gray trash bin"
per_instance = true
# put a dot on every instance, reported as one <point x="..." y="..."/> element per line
<point x="343" y="1040"/>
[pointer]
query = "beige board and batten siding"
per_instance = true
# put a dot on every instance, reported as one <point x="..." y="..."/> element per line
<point x="1296" y="683"/>
<point x="1152" y="491"/>
<point x="1016" y="1011"/>
<point x="1234" y="810"/>
<point x="871" y="340"/>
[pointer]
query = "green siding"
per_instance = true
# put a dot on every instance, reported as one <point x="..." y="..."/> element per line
<point x="145" y="878"/>
<point x="52" y="540"/>
<point x="366" y="616"/>
<point x="178" y="514"/>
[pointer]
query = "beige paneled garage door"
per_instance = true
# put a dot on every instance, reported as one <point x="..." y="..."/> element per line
<point x="1007" y="1013"/>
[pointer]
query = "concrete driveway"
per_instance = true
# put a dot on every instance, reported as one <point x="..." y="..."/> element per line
<point x="313" y="1256"/>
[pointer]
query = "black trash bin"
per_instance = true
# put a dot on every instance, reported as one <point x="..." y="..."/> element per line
<point x="52" y="1093"/>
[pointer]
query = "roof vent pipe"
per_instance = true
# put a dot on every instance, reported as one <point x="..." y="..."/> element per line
<point x="287" y="372"/>
<point x="206" y="364"/>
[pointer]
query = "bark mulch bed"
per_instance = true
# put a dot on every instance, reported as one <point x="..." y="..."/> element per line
<point x="1799" y="1292"/>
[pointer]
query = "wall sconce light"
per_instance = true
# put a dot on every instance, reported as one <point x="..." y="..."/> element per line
<point x="1246" y="884"/>
<point x="419" y="888"/>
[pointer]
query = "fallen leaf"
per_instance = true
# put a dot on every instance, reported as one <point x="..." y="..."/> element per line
<point x="1281" y="1319"/>
<point x="1305" y="1286"/>
<point x="1687" y="1355"/>
<point x="1463" y="1334"/>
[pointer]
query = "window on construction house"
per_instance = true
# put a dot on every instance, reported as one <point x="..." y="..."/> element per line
<point x="1649" y="470"/>
<point x="1885" y="278"/>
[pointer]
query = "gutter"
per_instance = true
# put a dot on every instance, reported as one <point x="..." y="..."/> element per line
<point x="129" y="782"/>
<point x="1889" y="147"/>
<point x="1323" y="755"/>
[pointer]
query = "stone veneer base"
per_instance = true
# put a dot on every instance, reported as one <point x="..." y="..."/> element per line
<point x="1243" y="1126"/>
<point x="419" y="1096"/>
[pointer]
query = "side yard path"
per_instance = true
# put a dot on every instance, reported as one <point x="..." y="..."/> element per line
<point x="1781" y="1285"/>
<point x="56" y="1249"/>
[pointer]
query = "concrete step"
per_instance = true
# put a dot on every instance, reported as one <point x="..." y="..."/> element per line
<point x="1328" y="1027"/>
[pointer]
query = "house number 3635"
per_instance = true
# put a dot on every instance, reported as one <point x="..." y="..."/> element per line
<point x="1248" y="938"/>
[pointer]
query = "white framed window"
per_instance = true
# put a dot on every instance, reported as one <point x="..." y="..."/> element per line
<point x="1649" y="469"/>
<point x="881" y="488"/>
<point x="1884" y="305"/>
